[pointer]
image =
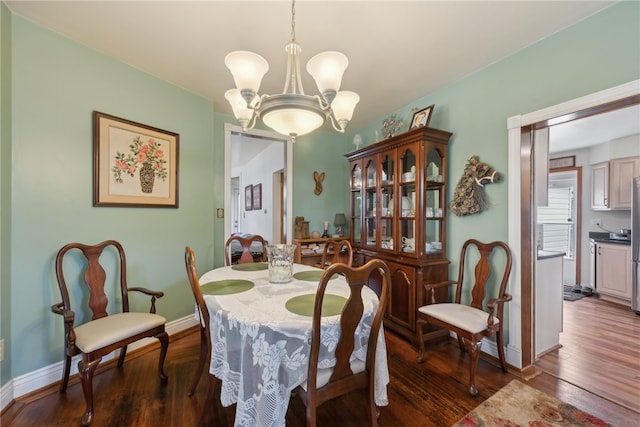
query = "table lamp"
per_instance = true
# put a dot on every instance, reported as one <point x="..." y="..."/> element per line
<point x="340" y="221"/>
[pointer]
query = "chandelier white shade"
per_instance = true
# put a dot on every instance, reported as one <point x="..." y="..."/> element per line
<point x="291" y="113"/>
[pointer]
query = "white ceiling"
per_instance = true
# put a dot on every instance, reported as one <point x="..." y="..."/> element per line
<point x="595" y="130"/>
<point x="399" y="51"/>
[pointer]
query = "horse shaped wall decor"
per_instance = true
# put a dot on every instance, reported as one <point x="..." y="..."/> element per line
<point x="469" y="197"/>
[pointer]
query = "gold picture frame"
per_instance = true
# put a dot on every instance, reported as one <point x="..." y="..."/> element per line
<point x="134" y="165"/>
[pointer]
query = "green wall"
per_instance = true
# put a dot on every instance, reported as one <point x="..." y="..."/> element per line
<point x="56" y="85"/>
<point x="5" y="189"/>
<point x="595" y="54"/>
<point x="53" y="85"/>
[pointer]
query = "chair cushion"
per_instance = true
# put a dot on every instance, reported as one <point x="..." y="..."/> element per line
<point x="461" y="316"/>
<point x="357" y="366"/>
<point x="99" y="333"/>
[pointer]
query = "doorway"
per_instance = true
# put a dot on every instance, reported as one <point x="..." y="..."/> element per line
<point x="522" y="230"/>
<point x="275" y="208"/>
<point x="560" y="221"/>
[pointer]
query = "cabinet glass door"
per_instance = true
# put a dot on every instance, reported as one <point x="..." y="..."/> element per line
<point x="407" y="202"/>
<point x="434" y="204"/>
<point x="356" y="203"/>
<point x="386" y="201"/>
<point x="370" y="205"/>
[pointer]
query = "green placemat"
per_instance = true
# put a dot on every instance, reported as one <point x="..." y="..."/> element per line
<point x="303" y="304"/>
<point x="226" y="287"/>
<point x="311" y="275"/>
<point x="250" y="266"/>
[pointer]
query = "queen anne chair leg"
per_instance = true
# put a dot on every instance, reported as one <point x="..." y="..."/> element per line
<point x="420" y="324"/>
<point x="474" y="352"/>
<point x="203" y="357"/>
<point x="500" y="343"/>
<point x="123" y="354"/>
<point x="373" y="409"/>
<point x="213" y="389"/>
<point x="65" y="375"/>
<point x="164" y="345"/>
<point x="86" y="370"/>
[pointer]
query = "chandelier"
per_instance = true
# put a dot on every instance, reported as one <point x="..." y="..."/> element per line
<point x="291" y="113"/>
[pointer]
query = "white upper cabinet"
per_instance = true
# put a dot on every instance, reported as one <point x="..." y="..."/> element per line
<point x="611" y="183"/>
<point x="622" y="173"/>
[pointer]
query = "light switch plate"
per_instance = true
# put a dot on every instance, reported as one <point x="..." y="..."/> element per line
<point x="1" y="350"/>
<point x="220" y="213"/>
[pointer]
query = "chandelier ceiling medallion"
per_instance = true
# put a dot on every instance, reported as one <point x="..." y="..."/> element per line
<point x="291" y="113"/>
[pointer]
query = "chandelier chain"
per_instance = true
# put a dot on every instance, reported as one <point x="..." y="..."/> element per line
<point x="293" y="20"/>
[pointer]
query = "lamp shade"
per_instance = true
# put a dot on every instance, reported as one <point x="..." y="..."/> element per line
<point x="327" y="69"/>
<point x="247" y="69"/>
<point x="343" y="106"/>
<point x="239" y="106"/>
<point x="291" y="114"/>
<point x="340" y="219"/>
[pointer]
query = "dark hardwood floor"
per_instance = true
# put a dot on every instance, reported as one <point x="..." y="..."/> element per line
<point x="429" y="394"/>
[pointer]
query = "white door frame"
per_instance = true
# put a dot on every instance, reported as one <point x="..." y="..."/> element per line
<point x="288" y="175"/>
<point x="514" y="125"/>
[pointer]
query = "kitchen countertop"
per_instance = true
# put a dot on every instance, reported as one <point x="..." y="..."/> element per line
<point x="549" y="254"/>
<point x="599" y="237"/>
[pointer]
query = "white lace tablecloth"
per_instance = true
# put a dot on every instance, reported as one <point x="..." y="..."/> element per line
<point x="260" y="350"/>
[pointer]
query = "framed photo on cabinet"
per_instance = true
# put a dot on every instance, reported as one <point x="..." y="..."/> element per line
<point x="421" y="118"/>
<point x="134" y="165"/>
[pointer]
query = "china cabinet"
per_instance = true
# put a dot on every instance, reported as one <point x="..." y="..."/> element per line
<point x="398" y="214"/>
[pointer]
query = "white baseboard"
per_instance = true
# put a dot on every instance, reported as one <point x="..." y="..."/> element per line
<point x="43" y="377"/>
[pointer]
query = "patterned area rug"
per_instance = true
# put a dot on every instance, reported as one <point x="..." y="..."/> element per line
<point x="517" y="404"/>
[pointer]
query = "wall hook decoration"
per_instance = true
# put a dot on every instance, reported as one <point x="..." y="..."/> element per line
<point x="469" y="197"/>
<point x="318" y="177"/>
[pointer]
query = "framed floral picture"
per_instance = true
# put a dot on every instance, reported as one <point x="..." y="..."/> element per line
<point x="134" y="165"/>
<point x="257" y="196"/>
<point x="421" y="118"/>
<point x="248" y="198"/>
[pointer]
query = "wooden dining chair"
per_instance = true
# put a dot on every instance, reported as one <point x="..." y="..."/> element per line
<point x="103" y="333"/>
<point x="327" y="383"/>
<point x="203" y="317"/>
<point x="474" y="320"/>
<point x="213" y="385"/>
<point x="243" y="244"/>
<point x="336" y="250"/>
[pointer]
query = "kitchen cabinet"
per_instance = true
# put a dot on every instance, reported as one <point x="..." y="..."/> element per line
<point x="611" y="183"/>
<point x="600" y="186"/>
<point x="622" y="173"/>
<point x="548" y="301"/>
<point x="398" y="214"/>
<point x="613" y="272"/>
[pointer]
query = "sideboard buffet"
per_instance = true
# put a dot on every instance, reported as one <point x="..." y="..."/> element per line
<point x="398" y="214"/>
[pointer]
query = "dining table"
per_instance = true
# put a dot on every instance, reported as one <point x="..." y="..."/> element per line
<point x="261" y="336"/>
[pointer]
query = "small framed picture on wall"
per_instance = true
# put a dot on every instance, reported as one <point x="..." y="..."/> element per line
<point x="257" y="196"/>
<point x="248" y="198"/>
